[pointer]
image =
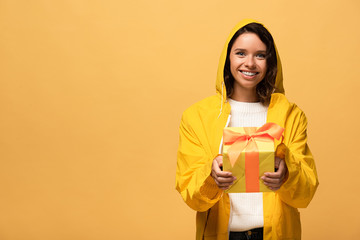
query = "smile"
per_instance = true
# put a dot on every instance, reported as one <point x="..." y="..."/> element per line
<point x="250" y="74"/>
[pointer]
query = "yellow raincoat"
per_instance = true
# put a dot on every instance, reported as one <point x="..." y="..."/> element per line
<point x="201" y="131"/>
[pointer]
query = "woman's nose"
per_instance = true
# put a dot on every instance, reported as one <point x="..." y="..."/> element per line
<point x="250" y="63"/>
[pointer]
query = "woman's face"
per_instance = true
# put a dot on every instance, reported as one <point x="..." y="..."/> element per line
<point x="247" y="62"/>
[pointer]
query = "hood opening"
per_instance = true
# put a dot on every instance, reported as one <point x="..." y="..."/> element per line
<point x="220" y="84"/>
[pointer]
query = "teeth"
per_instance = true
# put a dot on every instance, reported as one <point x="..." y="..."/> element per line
<point x="249" y="73"/>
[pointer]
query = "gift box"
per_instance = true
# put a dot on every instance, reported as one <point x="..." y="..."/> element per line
<point x="248" y="152"/>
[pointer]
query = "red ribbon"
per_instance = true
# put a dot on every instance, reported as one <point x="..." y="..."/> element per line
<point x="240" y="142"/>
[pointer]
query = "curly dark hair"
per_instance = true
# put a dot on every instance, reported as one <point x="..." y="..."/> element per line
<point x="265" y="88"/>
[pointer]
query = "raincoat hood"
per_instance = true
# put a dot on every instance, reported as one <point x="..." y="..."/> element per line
<point x="220" y="84"/>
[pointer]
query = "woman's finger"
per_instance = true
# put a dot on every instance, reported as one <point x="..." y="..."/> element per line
<point x="272" y="184"/>
<point x="271" y="180"/>
<point x="226" y="180"/>
<point x="226" y="184"/>
<point x="273" y="175"/>
<point x="274" y="188"/>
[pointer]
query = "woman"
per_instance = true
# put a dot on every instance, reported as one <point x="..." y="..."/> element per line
<point x="249" y="94"/>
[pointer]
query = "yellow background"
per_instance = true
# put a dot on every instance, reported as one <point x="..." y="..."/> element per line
<point x="91" y="95"/>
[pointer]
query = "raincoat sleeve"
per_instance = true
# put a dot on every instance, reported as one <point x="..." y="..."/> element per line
<point x="302" y="180"/>
<point x="194" y="161"/>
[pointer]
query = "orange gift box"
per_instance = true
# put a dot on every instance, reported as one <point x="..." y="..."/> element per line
<point x="248" y="152"/>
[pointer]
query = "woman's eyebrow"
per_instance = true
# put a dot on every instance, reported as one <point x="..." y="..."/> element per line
<point x="239" y="49"/>
<point x="244" y="50"/>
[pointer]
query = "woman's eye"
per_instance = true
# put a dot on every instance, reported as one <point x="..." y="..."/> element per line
<point x="260" y="55"/>
<point x="240" y="53"/>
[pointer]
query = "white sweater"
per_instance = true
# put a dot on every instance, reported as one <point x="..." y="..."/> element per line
<point x="246" y="210"/>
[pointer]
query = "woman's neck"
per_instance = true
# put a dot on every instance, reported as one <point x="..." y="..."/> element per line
<point x="241" y="95"/>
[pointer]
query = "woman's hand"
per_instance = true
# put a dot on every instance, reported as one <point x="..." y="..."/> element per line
<point x="274" y="180"/>
<point x="223" y="179"/>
